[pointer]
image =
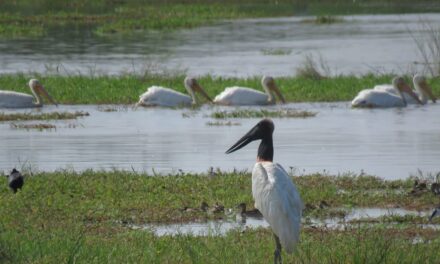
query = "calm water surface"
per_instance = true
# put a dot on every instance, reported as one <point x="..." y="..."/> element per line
<point x="367" y="43"/>
<point x="390" y="143"/>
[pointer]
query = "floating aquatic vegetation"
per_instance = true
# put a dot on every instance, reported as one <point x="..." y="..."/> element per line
<point x="40" y="127"/>
<point x="42" y="116"/>
<point x="220" y="123"/>
<point x="321" y="20"/>
<point x="112" y="108"/>
<point x="263" y="113"/>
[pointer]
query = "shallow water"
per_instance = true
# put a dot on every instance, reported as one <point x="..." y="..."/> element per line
<point x="221" y="227"/>
<point x="390" y="143"/>
<point x="370" y="43"/>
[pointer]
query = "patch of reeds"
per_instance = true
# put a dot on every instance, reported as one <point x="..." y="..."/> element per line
<point x="428" y="46"/>
<point x="314" y="69"/>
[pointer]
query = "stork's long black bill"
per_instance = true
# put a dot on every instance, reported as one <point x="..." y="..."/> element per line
<point x="246" y="139"/>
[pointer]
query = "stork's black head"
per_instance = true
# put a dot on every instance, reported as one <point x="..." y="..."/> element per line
<point x="263" y="130"/>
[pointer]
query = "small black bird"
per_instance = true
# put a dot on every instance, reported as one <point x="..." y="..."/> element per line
<point x="15" y="180"/>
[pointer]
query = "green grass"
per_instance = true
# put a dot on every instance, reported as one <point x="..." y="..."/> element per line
<point x="70" y="217"/>
<point x="365" y="245"/>
<point x="41" y="116"/>
<point x="262" y="113"/>
<point x="25" y="18"/>
<point x="127" y="88"/>
<point x="109" y="196"/>
<point x="20" y="31"/>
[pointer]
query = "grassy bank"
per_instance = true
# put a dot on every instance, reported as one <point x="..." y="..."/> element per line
<point x="25" y="18"/>
<point x="373" y="245"/>
<point x="66" y="217"/>
<point x="126" y="89"/>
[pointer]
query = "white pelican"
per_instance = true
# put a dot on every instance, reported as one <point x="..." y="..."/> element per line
<point x="380" y="97"/>
<point x="15" y="180"/>
<point x="10" y="99"/>
<point x="275" y="195"/>
<point x="247" y="96"/>
<point x="162" y="96"/>
<point x="422" y="90"/>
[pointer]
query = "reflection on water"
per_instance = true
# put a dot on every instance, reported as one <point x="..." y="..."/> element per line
<point x="390" y="143"/>
<point x="221" y="227"/>
<point x="231" y="48"/>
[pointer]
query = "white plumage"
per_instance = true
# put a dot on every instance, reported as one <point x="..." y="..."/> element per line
<point x="11" y="99"/>
<point x="385" y="95"/>
<point x="279" y="202"/>
<point x="162" y="96"/>
<point x="241" y="96"/>
<point x="246" y="96"/>
<point x="377" y="98"/>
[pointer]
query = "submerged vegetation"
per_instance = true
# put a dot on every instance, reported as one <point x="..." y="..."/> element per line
<point x="126" y="89"/>
<point x="276" y="51"/>
<point x="65" y="215"/>
<point x="263" y="113"/>
<point x="41" y="116"/>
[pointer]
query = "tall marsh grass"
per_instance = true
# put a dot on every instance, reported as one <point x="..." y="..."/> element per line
<point x="428" y="46"/>
<point x="313" y="68"/>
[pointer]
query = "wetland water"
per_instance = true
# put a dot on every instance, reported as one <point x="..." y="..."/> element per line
<point x="221" y="227"/>
<point x="390" y="143"/>
<point x="370" y="43"/>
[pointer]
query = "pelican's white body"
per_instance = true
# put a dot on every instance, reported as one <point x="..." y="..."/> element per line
<point x="378" y="98"/>
<point x="162" y="96"/>
<point x="279" y="202"/>
<point x="10" y="99"/>
<point x="241" y="96"/>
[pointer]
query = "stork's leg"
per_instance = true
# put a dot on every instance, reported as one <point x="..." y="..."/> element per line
<point x="277" y="253"/>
